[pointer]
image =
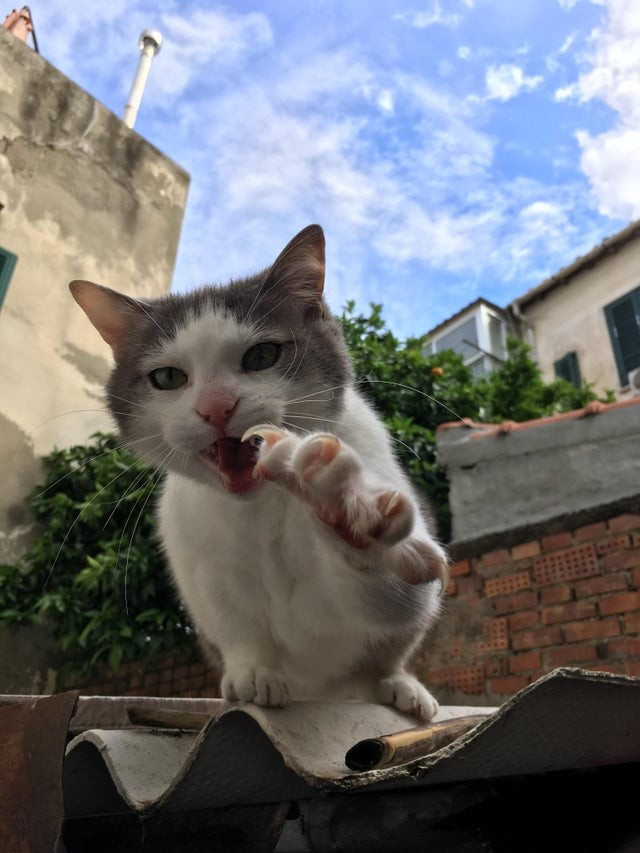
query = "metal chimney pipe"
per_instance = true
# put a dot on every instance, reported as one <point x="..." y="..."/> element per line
<point x="150" y="42"/>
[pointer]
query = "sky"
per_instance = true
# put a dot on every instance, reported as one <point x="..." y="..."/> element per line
<point x="450" y="149"/>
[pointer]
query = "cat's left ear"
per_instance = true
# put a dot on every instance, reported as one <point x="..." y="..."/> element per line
<point x="112" y="313"/>
<point x="300" y="266"/>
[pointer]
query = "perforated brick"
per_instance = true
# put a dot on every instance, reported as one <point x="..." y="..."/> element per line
<point x="507" y="585"/>
<point x="466" y="679"/>
<point x="497" y="639"/>
<point x="581" y="562"/>
<point x="613" y="543"/>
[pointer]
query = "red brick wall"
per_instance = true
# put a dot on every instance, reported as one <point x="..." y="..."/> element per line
<point x="568" y="599"/>
<point x="176" y="675"/>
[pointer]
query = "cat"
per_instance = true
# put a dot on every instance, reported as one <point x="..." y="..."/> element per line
<point x="296" y="542"/>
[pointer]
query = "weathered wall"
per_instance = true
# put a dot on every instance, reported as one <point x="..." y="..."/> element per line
<point x="546" y="521"/>
<point x="571" y="317"/>
<point x="503" y="481"/>
<point x="82" y="197"/>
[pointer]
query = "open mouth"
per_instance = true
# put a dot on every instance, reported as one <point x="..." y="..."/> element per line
<point x="233" y="460"/>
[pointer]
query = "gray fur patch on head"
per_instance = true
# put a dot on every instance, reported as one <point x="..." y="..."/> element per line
<point x="319" y="354"/>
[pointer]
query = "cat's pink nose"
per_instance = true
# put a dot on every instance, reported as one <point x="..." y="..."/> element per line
<point x="216" y="409"/>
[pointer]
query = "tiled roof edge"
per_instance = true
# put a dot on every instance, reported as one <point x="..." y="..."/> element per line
<point x="506" y="427"/>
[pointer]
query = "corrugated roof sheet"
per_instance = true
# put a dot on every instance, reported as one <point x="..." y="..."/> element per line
<point x="246" y="755"/>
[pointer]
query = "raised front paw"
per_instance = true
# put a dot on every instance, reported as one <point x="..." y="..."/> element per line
<point x="405" y="692"/>
<point x="329" y="476"/>
<point x="260" y="685"/>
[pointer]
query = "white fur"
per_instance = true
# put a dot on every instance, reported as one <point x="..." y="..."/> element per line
<point x="294" y="610"/>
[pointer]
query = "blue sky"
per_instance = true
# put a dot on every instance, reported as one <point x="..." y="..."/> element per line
<point x="450" y="149"/>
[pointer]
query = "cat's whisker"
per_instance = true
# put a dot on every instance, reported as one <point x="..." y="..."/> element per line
<point x="309" y="398"/>
<point x="323" y="420"/>
<point x="144" y="472"/>
<point x="154" y="479"/>
<point x="79" y="516"/>
<point x="290" y="379"/>
<point x="149" y="315"/>
<point x="415" y="390"/>
<point x="124" y="400"/>
<point x="124" y="446"/>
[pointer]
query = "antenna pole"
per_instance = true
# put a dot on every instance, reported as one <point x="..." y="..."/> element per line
<point x="149" y="43"/>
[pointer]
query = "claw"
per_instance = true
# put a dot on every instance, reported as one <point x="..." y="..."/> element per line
<point x="394" y="500"/>
<point x="270" y="433"/>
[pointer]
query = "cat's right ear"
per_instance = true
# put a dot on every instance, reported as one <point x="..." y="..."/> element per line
<point x="112" y="313"/>
<point x="299" y="269"/>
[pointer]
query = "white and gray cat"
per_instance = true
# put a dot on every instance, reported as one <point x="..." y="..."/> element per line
<point x="295" y="539"/>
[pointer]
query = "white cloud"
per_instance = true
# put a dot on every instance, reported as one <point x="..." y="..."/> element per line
<point x="385" y="101"/>
<point x="610" y="159"/>
<point x="565" y="93"/>
<point x="429" y="18"/>
<point x="507" y="81"/>
<point x="206" y="38"/>
<point x="463" y="52"/>
<point x="611" y="163"/>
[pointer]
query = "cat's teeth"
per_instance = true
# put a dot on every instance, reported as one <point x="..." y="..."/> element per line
<point x="268" y="432"/>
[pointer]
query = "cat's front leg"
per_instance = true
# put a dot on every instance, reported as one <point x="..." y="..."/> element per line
<point x="406" y="693"/>
<point x="377" y="522"/>
<point x="257" y="683"/>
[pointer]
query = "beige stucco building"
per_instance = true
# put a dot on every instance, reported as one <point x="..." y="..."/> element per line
<point x="81" y="196"/>
<point x="583" y="323"/>
<point x="586" y="317"/>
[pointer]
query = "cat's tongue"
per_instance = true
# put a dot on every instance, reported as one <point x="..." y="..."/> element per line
<point x="236" y="461"/>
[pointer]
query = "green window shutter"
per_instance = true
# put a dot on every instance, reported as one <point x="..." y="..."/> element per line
<point x="623" y="320"/>
<point x="7" y="265"/>
<point x="568" y="368"/>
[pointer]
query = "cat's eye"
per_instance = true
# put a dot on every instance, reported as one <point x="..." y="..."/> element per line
<point x="261" y="356"/>
<point x="168" y="378"/>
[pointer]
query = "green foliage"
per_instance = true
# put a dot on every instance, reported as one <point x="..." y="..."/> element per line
<point x="517" y="392"/>
<point x="415" y="393"/>
<point x="96" y="574"/>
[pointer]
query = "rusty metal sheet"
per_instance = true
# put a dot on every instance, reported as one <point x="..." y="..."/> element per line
<point x="32" y="743"/>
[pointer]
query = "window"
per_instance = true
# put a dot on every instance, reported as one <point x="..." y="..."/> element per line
<point x="495" y="336"/>
<point x="623" y="320"/>
<point x="568" y="368"/>
<point x="458" y="337"/>
<point x="7" y="265"/>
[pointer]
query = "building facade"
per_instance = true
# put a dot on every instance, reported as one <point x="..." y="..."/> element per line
<point x="584" y="321"/>
<point x="478" y="333"/>
<point x="81" y="196"/>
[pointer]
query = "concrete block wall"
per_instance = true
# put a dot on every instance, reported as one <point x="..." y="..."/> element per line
<point x="570" y="598"/>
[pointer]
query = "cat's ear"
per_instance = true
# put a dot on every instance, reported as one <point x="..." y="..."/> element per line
<point x="299" y="268"/>
<point x="112" y="313"/>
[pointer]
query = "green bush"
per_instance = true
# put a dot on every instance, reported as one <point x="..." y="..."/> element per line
<point x="415" y="393"/>
<point x="96" y="574"/>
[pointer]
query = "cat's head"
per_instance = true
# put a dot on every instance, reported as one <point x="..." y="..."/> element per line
<point x="193" y="372"/>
